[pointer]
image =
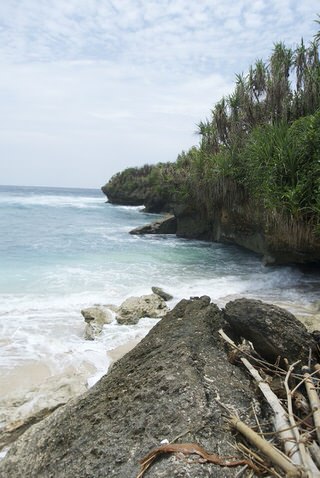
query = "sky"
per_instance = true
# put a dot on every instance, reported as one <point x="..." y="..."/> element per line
<point x="91" y="87"/>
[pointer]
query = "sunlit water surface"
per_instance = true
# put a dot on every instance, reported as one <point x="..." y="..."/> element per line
<point x="65" y="249"/>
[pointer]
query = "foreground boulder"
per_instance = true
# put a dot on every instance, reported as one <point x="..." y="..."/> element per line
<point x="164" y="388"/>
<point x="274" y="331"/>
<point x="134" y="308"/>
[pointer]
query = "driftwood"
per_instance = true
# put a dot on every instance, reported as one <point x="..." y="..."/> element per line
<point x="190" y="449"/>
<point x="302" y="457"/>
<point x="313" y="399"/>
<point x="281" y="423"/>
<point x="314" y="449"/>
<point x="266" y="448"/>
<point x="306" y="459"/>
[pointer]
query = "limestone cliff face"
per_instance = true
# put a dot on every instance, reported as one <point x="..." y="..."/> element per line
<point x="135" y="187"/>
<point x="279" y="241"/>
<point x="118" y="196"/>
<point x="228" y="216"/>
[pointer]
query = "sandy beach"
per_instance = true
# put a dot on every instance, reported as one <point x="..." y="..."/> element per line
<point x="31" y="388"/>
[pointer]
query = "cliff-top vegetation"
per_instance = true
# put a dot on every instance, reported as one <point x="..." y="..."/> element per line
<point x="261" y="144"/>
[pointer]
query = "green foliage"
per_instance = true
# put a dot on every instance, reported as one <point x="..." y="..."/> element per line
<point x="261" y="144"/>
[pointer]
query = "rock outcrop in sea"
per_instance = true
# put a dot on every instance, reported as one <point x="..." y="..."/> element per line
<point x="166" y="225"/>
<point x="167" y="388"/>
<point x="128" y="313"/>
<point x="95" y="317"/>
<point x="134" y="308"/>
<point x="230" y="216"/>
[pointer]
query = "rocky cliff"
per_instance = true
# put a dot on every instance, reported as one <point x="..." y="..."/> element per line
<point x="224" y="214"/>
<point x="278" y="239"/>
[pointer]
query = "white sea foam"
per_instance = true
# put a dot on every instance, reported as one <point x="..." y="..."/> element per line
<point x="56" y="260"/>
<point x="132" y="209"/>
<point x="51" y="201"/>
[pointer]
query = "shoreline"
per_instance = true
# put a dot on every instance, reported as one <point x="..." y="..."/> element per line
<point x="176" y="374"/>
<point x="32" y="392"/>
<point x="51" y="392"/>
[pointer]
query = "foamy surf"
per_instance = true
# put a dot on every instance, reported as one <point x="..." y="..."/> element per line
<point x="64" y="250"/>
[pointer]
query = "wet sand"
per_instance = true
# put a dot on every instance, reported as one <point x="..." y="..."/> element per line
<point x="28" y="375"/>
<point x="32" y="386"/>
<point x="118" y="352"/>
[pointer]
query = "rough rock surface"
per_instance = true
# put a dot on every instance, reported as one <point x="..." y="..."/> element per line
<point x="165" y="387"/>
<point x="95" y="318"/>
<point x="22" y="409"/>
<point x="232" y="218"/>
<point x="164" y="295"/>
<point x="167" y="225"/>
<point x="134" y="308"/>
<point x="272" y="330"/>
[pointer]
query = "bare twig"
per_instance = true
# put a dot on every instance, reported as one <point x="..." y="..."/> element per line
<point x="281" y="423"/>
<point x="266" y="448"/>
<point x="303" y="379"/>
<point x="282" y="426"/>
<point x="294" y="442"/>
<point x="306" y="459"/>
<point x="310" y="357"/>
<point x="313" y="399"/>
<point x="314" y="449"/>
<point x="249" y="453"/>
<point x="256" y="419"/>
<point x="275" y="368"/>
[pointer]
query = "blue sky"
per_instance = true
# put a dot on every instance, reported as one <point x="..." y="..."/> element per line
<point x="90" y="87"/>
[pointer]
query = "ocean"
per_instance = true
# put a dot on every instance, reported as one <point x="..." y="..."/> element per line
<point x="65" y="249"/>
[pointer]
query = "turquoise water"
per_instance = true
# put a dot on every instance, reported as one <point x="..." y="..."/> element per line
<point x="65" y="249"/>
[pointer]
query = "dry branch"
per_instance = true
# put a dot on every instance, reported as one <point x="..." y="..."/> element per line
<point x="314" y="449"/>
<point x="295" y="430"/>
<point x="313" y="399"/>
<point x="281" y="424"/>
<point x="306" y="459"/>
<point x="266" y="448"/>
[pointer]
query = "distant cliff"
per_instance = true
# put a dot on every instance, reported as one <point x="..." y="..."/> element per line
<point x="254" y="179"/>
<point x="228" y="216"/>
<point x="137" y="186"/>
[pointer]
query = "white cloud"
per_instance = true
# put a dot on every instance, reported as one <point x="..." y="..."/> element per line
<point x="90" y="87"/>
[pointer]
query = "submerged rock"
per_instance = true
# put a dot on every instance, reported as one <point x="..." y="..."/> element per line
<point x="167" y="225"/>
<point x="164" y="388"/>
<point x="134" y="308"/>
<point x="160" y="292"/>
<point x="274" y="331"/>
<point x="95" y="317"/>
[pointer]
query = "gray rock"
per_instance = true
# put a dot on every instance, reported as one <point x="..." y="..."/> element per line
<point x="95" y="318"/>
<point x="166" y="225"/>
<point x="165" y="387"/>
<point x="164" y="295"/>
<point x="134" y="308"/>
<point x="14" y="429"/>
<point x="272" y="330"/>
